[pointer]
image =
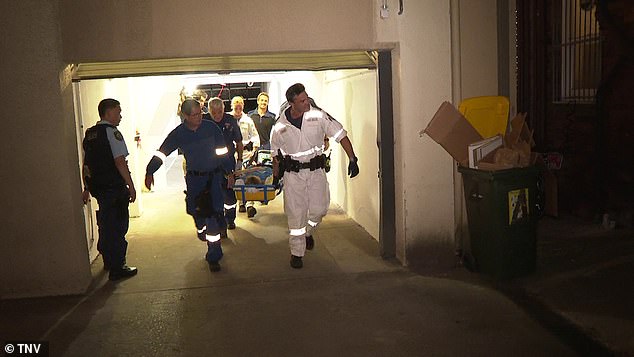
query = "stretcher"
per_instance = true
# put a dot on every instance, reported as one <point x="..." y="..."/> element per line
<point x="255" y="183"/>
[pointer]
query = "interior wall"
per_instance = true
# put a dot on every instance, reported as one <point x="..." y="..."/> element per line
<point x="43" y="246"/>
<point x="351" y="98"/>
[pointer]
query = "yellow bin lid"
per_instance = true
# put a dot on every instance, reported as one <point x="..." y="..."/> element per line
<point x="489" y="115"/>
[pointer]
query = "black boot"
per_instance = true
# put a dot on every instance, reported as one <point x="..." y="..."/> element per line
<point x="214" y="267"/>
<point x="296" y="262"/>
<point x="122" y="272"/>
<point x="310" y="243"/>
<point x="251" y="211"/>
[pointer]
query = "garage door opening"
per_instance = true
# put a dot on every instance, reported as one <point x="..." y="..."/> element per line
<point x="150" y="103"/>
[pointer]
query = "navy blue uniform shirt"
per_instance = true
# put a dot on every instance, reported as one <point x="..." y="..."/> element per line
<point x="230" y="131"/>
<point x="199" y="147"/>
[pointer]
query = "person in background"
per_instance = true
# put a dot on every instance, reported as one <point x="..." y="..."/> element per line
<point x="250" y="137"/>
<point x="233" y="140"/>
<point x="250" y="142"/>
<point x="298" y="138"/>
<point x="208" y="166"/>
<point x="263" y="120"/>
<point x="107" y="177"/>
<point x="201" y="96"/>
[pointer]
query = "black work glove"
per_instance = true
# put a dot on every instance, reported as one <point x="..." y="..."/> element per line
<point x="249" y="146"/>
<point x="353" y="168"/>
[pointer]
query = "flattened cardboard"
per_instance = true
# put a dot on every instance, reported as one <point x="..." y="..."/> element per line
<point x="517" y="124"/>
<point x="527" y="135"/>
<point x="480" y="149"/>
<point x="453" y="132"/>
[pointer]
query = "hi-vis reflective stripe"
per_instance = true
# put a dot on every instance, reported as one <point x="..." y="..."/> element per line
<point x="202" y="229"/>
<point x="160" y="155"/>
<point x="222" y="151"/>
<point x="336" y="136"/>
<point x="230" y="206"/>
<point x="316" y="149"/>
<point x="313" y="224"/>
<point x="213" y="238"/>
<point x="298" y="232"/>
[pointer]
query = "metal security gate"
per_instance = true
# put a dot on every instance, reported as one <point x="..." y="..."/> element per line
<point x="576" y="51"/>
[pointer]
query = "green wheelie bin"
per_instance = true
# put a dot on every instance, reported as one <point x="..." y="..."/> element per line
<point x="502" y="214"/>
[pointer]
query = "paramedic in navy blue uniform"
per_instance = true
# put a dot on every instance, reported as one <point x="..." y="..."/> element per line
<point x="233" y="139"/>
<point x="107" y="178"/>
<point x="205" y="153"/>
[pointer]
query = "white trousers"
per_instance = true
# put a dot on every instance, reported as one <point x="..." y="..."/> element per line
<point x="306" y="201"/>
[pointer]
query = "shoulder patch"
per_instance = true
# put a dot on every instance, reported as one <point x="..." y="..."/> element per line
<point x="117" y="135"/>
<point x="91" y="135"/>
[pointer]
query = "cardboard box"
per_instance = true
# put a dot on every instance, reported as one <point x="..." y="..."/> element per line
<point x="461" y="140"/>
<point x="519" y="132"/>
<point x="453" y="132"/>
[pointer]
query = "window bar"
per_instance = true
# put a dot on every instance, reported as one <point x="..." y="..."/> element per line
<point x="597" y="51"/>
<point x="566" y="95"/>
<point x="574" y="47"/>
<point x="568" y="51"/>
<point x="586" y="63"/>
<point x="564" y="49"/>
<point x="589" y="59"/>
<point x="556" y="62"/>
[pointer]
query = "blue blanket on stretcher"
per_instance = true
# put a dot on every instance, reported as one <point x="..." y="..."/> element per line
<point x="257" y="175"/>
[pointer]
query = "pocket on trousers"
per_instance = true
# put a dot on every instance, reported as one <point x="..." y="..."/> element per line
<point x="203" y="204"/>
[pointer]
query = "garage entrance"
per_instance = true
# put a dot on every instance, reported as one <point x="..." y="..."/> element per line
<point x="346" y="84"/>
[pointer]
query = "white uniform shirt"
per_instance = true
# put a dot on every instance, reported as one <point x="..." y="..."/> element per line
<point x="248" y="130"/>
<point x="304" y="144"/>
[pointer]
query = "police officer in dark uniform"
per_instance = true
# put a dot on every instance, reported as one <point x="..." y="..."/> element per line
<point x="107" y="178"/>
<point x="208" y="163"/>
<point x="233" y="139"/>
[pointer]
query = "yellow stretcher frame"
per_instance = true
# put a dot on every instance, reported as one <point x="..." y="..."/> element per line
<point x="261" y="193"/>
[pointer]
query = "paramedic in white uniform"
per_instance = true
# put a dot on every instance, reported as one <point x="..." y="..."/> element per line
<point x="298" y="139"/>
